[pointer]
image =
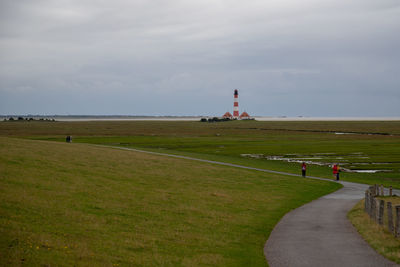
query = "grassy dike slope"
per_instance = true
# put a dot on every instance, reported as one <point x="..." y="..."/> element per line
<point x="75" y="204"/>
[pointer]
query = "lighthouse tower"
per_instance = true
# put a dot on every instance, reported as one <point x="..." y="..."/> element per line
<point x="236" y="105"/>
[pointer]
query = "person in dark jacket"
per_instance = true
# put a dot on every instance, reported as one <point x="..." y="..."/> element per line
<point x="303" y="169"/>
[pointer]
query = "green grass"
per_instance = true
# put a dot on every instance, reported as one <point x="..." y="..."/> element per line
<point x="75" y="204"/>
<point x="227" y="141"/>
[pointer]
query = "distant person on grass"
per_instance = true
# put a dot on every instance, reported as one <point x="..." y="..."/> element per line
<point x="303" y="169"/>
<point x="336" y="170"/>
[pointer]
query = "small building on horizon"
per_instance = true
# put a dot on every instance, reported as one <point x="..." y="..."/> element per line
<point x="227" y="115"/>
<point x="244" y="116"/>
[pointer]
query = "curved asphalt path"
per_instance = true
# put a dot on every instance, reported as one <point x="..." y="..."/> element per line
<point x="315" y="234"/>
<point x="319" y="234"/>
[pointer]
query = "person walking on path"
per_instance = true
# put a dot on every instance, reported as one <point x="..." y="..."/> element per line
<point x="303" y="169"/>
<point x="335" y="170"/>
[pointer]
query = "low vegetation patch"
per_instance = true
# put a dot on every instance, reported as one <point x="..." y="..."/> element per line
<point x="379" y="237"/>
<point x="19" y="119"/>
<point x="69" y="204"/>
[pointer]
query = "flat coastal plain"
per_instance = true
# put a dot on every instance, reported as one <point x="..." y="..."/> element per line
<point x="367" y="151"/>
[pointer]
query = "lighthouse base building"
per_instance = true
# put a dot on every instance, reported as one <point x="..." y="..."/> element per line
<point x="227" y="115"/>
<point x="244" y="116"/>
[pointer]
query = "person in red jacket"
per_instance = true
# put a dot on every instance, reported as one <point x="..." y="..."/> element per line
<point x="303" y="169"/>
<point x="335" y="170"/>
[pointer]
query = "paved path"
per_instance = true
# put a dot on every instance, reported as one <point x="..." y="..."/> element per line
<point x="316" y="234"/>
<point x="319" y="234"/>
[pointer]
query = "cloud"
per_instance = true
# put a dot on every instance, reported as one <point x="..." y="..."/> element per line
<point x="176" y="52"/>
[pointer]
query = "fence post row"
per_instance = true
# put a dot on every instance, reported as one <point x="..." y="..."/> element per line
<point x="375" y="208"/>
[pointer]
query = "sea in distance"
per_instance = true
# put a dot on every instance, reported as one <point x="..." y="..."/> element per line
<point x="188" y="118"/>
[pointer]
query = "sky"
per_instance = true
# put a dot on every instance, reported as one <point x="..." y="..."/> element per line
<point x="185" y="57"/>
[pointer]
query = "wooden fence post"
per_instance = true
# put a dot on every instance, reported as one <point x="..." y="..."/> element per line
<point x="382" y="190"/>
<point x="390" y="191"/>
<point x="390" y="217"/>
<point x="397" y="221"/>
<point x="381" y="210"/>
<point x="369" y="203"/>
<point x="373" y="208"/>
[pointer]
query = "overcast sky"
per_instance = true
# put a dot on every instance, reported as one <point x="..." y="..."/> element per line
<point x="141" y="57"/>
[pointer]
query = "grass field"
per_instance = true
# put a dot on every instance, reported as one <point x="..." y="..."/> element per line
<point x="356" y="146"/>
<point x="79" y="205"/>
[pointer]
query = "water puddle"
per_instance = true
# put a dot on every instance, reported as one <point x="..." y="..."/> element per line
<point x="326" y="159"/>
<point x="343" y="133"/>
<point x="370" y="171"/>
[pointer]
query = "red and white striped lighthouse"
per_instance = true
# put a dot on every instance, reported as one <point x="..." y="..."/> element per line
<point x="236" y="104"/>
